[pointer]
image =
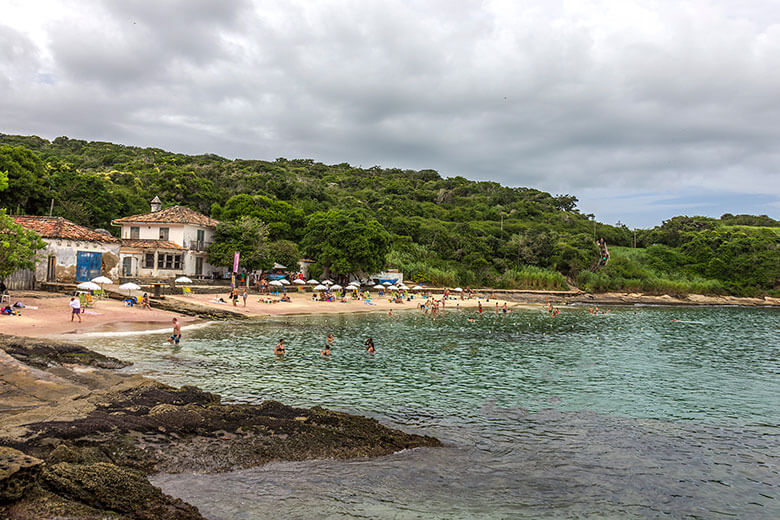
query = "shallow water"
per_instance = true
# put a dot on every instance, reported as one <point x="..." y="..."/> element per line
<point x="630" y="414"/>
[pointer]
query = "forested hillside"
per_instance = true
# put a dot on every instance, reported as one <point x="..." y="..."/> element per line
<point x="448" y="231"/>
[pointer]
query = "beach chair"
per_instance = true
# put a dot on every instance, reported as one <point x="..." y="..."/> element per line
<point x="89" y="300"/>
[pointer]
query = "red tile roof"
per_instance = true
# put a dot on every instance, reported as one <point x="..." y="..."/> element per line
<point x="141" y="243"/>
<point x="58" y="227"/>
<point x="172" y="215"/>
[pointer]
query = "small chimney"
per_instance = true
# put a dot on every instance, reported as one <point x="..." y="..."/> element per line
<point x="156" y="204"/>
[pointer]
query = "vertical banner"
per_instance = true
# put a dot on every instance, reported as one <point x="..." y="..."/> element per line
<point x="235" y="261"/>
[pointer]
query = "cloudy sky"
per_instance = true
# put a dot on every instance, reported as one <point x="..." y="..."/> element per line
<point x="644" y="109"/>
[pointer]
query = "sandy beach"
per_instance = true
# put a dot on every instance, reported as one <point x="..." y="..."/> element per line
<point x="48" y="315"/>
<point x="302" y="303"/>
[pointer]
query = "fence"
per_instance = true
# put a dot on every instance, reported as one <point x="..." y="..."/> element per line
<point x="23" y="280"/>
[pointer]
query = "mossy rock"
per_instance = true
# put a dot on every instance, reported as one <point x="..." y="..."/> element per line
<point x="18" y="472"/>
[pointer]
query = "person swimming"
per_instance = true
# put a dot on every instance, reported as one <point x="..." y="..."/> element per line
<point x="330" y="338"/>
<point x="280" y="349"/>
<point x="370" y="345"/>
<point x="326" y="351"/>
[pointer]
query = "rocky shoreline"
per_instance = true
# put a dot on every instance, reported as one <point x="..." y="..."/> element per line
<point x="78" y="439"/>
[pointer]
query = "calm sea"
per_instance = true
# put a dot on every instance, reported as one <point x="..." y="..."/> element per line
<point x="642" y="412"/>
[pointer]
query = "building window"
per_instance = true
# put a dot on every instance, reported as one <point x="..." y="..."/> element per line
<point x="163" y="233"/>
<point x="149" y="260"/>
<point x="135" y="232"/>
<point x="201" y="236"/>
<point x="168" y="261"/>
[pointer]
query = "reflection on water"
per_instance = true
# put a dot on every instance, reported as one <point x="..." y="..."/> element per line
<point x="637" y="413"/>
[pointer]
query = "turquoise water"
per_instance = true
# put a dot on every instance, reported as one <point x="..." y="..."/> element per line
<point x="641" y="412"/>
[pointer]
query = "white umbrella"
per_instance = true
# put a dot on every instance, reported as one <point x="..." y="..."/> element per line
<point x="88" y="286"/>
<point x="285" y="281"/>
<point x="352" y="288"/>
<point x="327" y="282"/>
<point x="313" y="282"/>
<point x="417" y="288"/>
<point x="386" y="283"/>
<point x="279" y="266"/>
<point x="320" y="288"/>
<point x="336" y="287"/>
<point x="277" y="283"/>
<point x="129" y="286"/>
<point x="379" y="287"/>
<point x="392" y="288"/>
<point x="298" y="281"/>
<point x="355" y="283"/>
<point x="102" y="279"/>
<point x="183" y="279"/>
<point x="403" y="287"/>
<point x="458" y="289"/>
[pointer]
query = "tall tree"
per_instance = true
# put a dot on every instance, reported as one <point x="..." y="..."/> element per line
<point x="248" y="236"/>
<point x="18" y="246"/>
<point x="346" y="241"/>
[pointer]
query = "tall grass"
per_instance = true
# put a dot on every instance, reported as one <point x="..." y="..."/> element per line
<point x="532" y="277"/>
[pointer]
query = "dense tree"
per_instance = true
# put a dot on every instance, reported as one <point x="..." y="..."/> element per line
<point x="346" y="241"/>
<point x="285" y="252"/>
<point x="18" y="246"/>
<point x="26" y="177"/>
<point x="248" y="236"/>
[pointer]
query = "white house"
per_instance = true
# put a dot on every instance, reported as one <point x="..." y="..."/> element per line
<point x="73" y="253"/>
<point x="166" y="243"/>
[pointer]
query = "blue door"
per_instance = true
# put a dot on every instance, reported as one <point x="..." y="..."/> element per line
<point x="87" y="265"/>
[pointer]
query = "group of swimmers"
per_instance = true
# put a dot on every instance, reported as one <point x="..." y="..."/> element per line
<point x="281" y="349"/>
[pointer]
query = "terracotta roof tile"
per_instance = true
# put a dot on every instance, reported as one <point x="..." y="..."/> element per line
<point x="140" y="243"/>
<point x="58" y="227"/>
<point x="172" y="215"/>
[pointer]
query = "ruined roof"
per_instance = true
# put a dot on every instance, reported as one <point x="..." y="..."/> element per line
<point x="141" y="243"/>
<point x="172" y="215"/>
<point x="58" y="227"/>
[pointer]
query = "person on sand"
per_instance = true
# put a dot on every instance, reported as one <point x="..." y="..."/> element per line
<point x="75" y="308"/>
<point x="145" y="302"/>
<point x="234" y="296"/>
<point x="176" y="336"/>
<point x="280" y="349"/>
<point x="479" y="307"/>
<point x="244" y="296"/>
<point x="370" y="346"/>
<point x="326" y="351"/>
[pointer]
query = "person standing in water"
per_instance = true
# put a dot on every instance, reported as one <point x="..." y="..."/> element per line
<point x="326" y="352"/>
<point x="280" y="349"/>
<point x="370" y="346"/>
<point x="329" y="340"/>
<point x="176" y="336"/>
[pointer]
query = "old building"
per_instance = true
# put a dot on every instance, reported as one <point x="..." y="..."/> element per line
<point x="166" y="243"/>
<point x="73" y="253"/>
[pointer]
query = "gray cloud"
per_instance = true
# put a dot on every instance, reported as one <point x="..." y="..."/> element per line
<point x="651" y="99"/>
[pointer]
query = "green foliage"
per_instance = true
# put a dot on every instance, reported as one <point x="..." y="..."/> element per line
<point x="247" y="235"/>
<point x="18" y="246"/>
<point x="24" y="175"/>
<point x="346" y="241"/>
<point x="532" y="277"/>
<point x="283" y="219"/>
<point x="285" y="252"/>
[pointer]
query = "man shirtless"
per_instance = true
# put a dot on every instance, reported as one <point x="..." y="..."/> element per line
<point x="176" y="336"/>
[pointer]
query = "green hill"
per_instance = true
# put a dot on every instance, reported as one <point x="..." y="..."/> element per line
<point x="450" y="231"/>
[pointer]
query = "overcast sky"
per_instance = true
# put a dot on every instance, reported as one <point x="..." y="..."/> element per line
<point x="644" y="109"/>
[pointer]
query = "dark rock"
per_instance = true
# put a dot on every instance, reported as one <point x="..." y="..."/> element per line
<point x="18" y="473"/>
<point x="106" y="486"/>
<point x="44" y="353"/>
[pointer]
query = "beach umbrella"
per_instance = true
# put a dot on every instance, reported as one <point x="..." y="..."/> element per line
<point x="279" y="266"/>
<point x="183" y="279"/>
<point x="101" y="280"/>
<point x="355" y="283"/>
<point x="129" y="286"/>
<point x="386" y="283"/>
<point x="417" y="288"/>
<point x="403" y="287"/>
<point x="379" y="287"/>
<point x="313" y="282"/>
<point x="327" y="282"/>
<point x="88" y="286"/>
<point x="276" y="283"/>
<point x="298" y="281"/>
<point x="285" y="281"/>
<point x="336" y="287"/>
<point x="352" y="288"/>
<point x="458" y="289"/>
<point x="320" y="288"/>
